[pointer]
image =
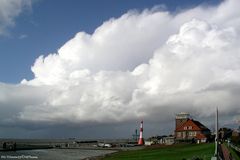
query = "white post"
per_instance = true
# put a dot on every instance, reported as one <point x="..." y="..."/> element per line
<point x="216" y="136"/>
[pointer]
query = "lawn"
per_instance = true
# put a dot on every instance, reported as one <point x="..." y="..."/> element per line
<point x="175" y="152"/>
<point x="233" y="152"/>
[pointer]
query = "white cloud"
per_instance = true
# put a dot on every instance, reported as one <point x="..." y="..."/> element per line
<point x="22" y="36"/>
<point x="147" y="65"/>
<point x="9" y="10"/>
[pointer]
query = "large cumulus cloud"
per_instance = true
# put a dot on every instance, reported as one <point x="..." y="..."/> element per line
<point x="150" y="64"/>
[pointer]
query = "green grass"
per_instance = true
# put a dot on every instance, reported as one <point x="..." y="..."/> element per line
<point x="175" y="152"/>
<point x="233" y="152"/>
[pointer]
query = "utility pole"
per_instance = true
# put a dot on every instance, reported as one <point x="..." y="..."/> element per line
<point x="136" y="135"/>
<point x="216" y="154"/>
<point x="216" y="138"/>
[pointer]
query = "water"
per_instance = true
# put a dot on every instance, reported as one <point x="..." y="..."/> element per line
<point x="52" y="154"/>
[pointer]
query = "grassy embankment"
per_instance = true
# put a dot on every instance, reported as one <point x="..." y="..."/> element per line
<point x="233" y="152"/>
<point x="174" y="152"/>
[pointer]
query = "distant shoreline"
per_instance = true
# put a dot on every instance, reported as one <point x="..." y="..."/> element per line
<point x="96" y="144"/>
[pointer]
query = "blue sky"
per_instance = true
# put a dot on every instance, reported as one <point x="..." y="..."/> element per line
<point x="49" y="24"/>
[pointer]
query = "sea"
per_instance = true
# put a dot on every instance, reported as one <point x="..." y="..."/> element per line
<point x="52" y="154"/>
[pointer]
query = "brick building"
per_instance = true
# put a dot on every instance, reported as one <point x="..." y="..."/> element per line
<point x="189" y="130"/>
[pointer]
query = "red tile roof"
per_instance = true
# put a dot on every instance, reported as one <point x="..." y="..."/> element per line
<point x="192" y="125"/>
<point x="201" y="136"/>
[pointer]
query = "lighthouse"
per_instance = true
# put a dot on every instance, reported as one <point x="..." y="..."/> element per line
<point x="140" y="140"/>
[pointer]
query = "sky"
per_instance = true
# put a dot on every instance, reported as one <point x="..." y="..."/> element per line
<point x="95" y="69"/>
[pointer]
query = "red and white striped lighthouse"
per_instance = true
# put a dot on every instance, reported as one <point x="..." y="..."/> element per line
<point x="140" y="140"/>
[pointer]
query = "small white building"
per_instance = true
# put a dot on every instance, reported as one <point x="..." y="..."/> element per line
<point x="168" y="140"/>
<point x="149" y="143"/>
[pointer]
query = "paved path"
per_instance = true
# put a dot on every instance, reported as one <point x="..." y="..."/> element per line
<point x="226" y="153"/>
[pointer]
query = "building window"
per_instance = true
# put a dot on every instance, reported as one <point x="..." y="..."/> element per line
<point x="178" y="134"/>
<point x="190" y="127"/>
<point x="190" y="134"/>
<point x="185" y="128"/>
